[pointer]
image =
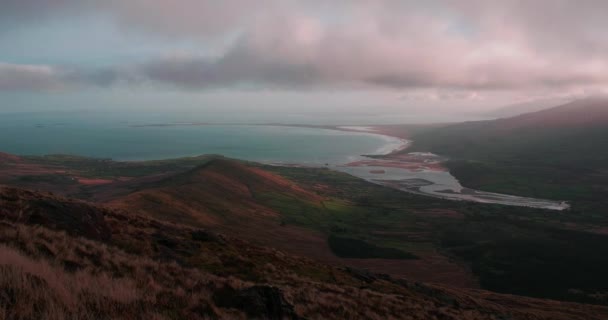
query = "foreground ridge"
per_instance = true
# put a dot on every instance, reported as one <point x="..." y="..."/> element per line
<point x="144" y="268"/>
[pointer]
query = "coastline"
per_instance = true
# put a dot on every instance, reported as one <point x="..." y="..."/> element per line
<point x="383" y="160"/>
<point x="379" y="169"/>
<point x="388" y="165"/>
<point x="390" y="147"/>
<point x="377" y="130"/>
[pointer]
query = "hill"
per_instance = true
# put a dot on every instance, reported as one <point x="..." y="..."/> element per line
<point x="217" y="188"/>
<point x="230" y="196"/>
<point x="341" y="220"/>
<point x="516" y="109"/>
<point x="153" y="269"/>
<point x="560" y="153"/>
<point x="566" y="133"/>
<point x="252" y="203"/>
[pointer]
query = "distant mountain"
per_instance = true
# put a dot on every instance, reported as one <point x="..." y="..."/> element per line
<point x="591" y="112"/>
<point x="568" y="132"/>
<point x="525" y="107"/>
<point x="559" y="153"/>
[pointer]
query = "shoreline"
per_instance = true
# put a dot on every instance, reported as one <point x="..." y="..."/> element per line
<point x="387" y="162"/>
<point x="374" y="130"/>
<point x="377" y="171"/>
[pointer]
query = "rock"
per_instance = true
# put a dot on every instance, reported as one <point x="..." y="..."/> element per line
<point x="77" y="218"/>
<point x="205" y="236"/>
<point x="363" y="275"/>
<point x="260" y="301"/>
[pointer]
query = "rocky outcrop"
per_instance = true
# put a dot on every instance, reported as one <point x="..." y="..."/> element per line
<point x="34" y="208"/>
<point x="259" y="302"/>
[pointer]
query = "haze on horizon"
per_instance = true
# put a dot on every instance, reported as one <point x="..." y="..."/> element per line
<point x="364" y="57"/>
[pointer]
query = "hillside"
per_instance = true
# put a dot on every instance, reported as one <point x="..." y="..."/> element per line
<point x="560" y="153"/>
<point x="47" y="271"/>
<point x="212" y="190"/>
<point x="230" y="196"/>
<point x="226" y="196"/>
<point x="341" y="220"/>
<point x="255" y="204"/>
<point x="337" y="219"/>
<point x="520" y="108"/>
<point x="568" y="135"/>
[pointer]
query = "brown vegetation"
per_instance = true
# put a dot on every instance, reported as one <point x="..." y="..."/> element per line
<point x="8" y="158"/>
<point x="76" y="217"/>
<point x="157" y="270"/>
<point x="220" y="188"/>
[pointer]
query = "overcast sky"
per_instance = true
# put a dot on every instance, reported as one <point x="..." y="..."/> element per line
<point x="365" y="56"/>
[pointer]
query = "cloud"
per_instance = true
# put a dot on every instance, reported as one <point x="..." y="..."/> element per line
<point x="467" y="46"/>
<point x="303" y="52"/>
<point x="25" y="77"/>
<point x="168" y="18"/>
<point x="15" y="77"/>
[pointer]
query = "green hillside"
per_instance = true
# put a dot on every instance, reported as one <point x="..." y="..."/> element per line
<point x="559" y="153"/>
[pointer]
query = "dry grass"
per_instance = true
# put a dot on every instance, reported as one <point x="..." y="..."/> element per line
<point x="148" y="269"/>
<point x="49" y="275"/>
<point x="37" y="290"/>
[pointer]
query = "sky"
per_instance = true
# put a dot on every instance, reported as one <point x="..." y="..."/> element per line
<point x="367" y="57"/>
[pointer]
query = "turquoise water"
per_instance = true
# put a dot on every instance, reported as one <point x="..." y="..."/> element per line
<point x="111" y="136"/>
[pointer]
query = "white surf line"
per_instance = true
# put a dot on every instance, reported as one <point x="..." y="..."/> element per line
<point x="359" y="128"/>
<point x="392" y="143"/>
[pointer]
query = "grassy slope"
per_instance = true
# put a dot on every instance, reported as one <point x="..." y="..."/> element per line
<point x="511" y="249"/>
<point x="562" y="154"/>
<point x="157" y="270"/>
<point x="223" y="192"/>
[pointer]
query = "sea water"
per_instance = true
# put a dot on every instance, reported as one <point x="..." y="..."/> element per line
<point x="145" y="138"/>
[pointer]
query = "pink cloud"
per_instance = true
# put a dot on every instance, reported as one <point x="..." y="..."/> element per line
<point x="468" y="45"/>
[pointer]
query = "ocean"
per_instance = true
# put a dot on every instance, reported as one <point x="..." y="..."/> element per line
<point x="127" y="139"/>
